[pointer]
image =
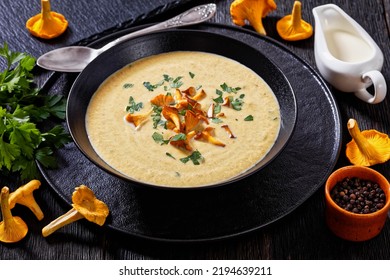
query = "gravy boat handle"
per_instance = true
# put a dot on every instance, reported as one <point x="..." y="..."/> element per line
<point x="379" y="84"/>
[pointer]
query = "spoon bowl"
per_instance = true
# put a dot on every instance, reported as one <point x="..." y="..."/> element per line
<point x="76" y="58"/>
<point x="68" y="59"/>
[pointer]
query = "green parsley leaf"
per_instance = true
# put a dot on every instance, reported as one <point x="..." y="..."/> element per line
<point x="22" y="107"/>
<point x="192" y="75"/>
<point x="176" y="83"/>
<point x="133" y="106"/>
<point x="151" y="87"/>
<point x="167" y="78"/>
<point x="128" y="85"/>
<point x="169" y="155"/>
<point x="248" y="118"/>
<point x="156" y="116"/>
<point x="195" y="157"/>
<point x="219" y="99"/>
<point x="216" y="120"/>
<point x="46" y="158"/>
<point x="229" y="89"/>
<point x="56" y="137"/>
<point x="237" y="104"/>
<point x="217" y="109"/>
<point x="178" y="137"/>
<point x="159" y="138"/>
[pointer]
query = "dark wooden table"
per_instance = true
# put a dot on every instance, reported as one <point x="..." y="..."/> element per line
<point x="300" y="235"/>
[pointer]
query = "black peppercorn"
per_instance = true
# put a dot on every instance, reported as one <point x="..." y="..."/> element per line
<point x="358" y="196"/>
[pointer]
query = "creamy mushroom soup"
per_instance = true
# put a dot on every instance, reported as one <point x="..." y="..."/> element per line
<point x="183" y="119"/>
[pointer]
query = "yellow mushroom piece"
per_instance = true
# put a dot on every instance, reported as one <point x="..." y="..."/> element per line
<point x="24" y="196"/>
<point x="252" y="11"/>
<point x="137" y="120"/>
<point x="12" y="229"/>
<point x="47" y="24"/>
<point x="368" y="147"/>
<point x="293" y="27"/>
<point x="206" y="135"/>
<point x="85" y="205"/>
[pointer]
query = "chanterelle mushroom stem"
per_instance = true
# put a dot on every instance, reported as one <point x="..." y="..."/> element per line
<point x="368" y="147"/>
<point x="12" y="229"/>
<point x="292" y="27"/>
<point x="364" y="145"/>
<point x="296" y="16"/>
<point x="71" y="216"/>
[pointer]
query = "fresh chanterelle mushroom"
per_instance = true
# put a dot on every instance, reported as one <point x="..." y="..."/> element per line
<point x="85" y="205"/>
<point x="24" y="196"/>
<point x="368" y="147"/>
<point x="47" y="24"/>
<point x="253" y="11"/>
<point x="292" y="27"/>
<point x="12" y="229"/>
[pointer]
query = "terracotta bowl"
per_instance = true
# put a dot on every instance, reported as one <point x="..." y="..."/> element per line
<point x="346" y="224"/>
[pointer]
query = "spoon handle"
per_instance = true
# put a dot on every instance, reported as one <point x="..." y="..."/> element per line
<point x="194" y="15"/>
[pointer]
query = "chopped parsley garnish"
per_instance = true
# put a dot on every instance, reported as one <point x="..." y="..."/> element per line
<point x="176" y="83"/>
<point x="128" y="85"/>
<point x="192" y="75"/>
<point x="133" y="106"/>
<point x="156" y="116"/>
<point x="159" y="138"/>
<point x="182" y="112"/>
<point x="248" y="118"/>
<point x="167" y="78"/>
<point x="195" y="157"/>
<point x="178" y="137"/>
<point x="237" y="104"/>
<point x="173" y="82"/>
<point x="217" y="109"/>
<point x="216" y="120"/>
<point x="170" y="155"/>
<point x="219" y="99"/>
<point x="229" y="89"/>
<point x="151" y="87"/>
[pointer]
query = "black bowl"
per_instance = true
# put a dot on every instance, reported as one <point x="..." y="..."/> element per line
<point x="176" y="40"/>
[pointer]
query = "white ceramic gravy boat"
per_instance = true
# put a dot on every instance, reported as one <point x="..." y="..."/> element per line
<point x="346" y="55"/>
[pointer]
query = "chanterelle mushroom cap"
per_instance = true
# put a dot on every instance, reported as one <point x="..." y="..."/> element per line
<point x="85" y="205"/>
<point x="12" y="229"/>
<point x="24" y="196"/>
<point x="253" y="11"/>
<point x="47" y="24"/>
<point x="293" y="27"/>
<point x="368" y="147"/>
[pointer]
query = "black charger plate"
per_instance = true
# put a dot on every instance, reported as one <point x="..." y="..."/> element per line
<point x="216" y="213"/>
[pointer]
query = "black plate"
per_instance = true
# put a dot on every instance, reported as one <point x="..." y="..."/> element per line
<point x="169" y="41"/>
<point x="216" y="213"/>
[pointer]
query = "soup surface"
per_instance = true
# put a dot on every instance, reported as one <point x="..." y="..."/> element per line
<point x="183" y="119"/>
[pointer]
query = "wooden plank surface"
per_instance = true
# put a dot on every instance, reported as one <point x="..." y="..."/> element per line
<point x="301" y="235"/>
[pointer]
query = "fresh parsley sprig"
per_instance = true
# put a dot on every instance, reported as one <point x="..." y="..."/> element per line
<point x="22" y="108"/>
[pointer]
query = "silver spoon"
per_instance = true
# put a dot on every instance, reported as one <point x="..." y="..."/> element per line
<point x="76" y="58"/>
